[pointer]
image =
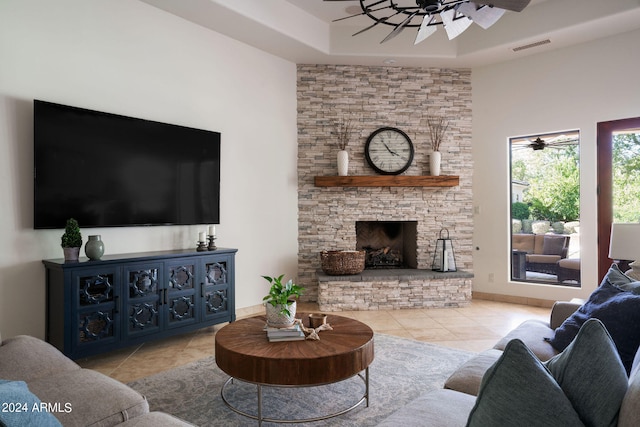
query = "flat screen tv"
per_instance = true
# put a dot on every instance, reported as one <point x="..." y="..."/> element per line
<point x="109" y="170"/>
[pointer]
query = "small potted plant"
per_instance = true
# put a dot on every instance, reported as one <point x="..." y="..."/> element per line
<point x="71" y="240"/>
<point x="280" y="303"/>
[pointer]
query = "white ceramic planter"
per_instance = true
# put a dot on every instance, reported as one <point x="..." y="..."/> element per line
<point x="434" y="163"/>
<point x="343" y="163"/>
<point x="277" y="320"/>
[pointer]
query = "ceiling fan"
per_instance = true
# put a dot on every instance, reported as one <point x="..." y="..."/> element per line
<point x="454" y="15"/>
<point x="540" y="144"/>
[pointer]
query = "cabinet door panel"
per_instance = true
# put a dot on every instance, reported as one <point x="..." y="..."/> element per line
<point x="180" y="307"/>
<point x="143" y="299"/>
<point x="96" y="299"/>
<point x="215" y="292"/>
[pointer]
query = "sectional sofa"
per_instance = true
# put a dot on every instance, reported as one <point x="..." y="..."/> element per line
<point x="39" y="386"/>
<point x="580" y="368"/>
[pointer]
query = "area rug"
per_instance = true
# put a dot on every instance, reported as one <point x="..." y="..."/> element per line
<point x="402" y="370"/>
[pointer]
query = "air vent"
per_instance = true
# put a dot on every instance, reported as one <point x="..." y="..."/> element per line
<point x="530" y="45"/>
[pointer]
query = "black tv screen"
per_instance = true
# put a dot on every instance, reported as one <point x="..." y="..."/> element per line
<point x="110" y="170"/>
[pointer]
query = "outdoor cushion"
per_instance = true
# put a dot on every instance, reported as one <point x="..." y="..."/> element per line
<point x="22" y="407"/>
<point x="523" y="242"/>
<point x="619" y="310"/>
<point x="518" y="390"/>
<point x="591" y="374"/>
<point x="553" y="245"/>
<point x="544" y="259"/>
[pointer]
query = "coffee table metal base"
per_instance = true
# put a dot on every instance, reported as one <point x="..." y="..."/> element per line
<point x="260" y="418"/>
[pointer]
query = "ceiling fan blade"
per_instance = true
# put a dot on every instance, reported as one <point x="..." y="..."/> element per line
<point x="425" y="29"/>
<point x="401" y="26"/>
<point x="381" y="20"/>
<point x="454" y="27"/>
<point x="485" y="16"/>
<point x="513" y="5"/>
<point x="361" y="13"/>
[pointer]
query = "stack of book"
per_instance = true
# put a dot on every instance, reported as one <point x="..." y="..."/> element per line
<point x="292" y="333"/>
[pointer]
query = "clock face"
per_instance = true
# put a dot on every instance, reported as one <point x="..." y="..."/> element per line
<point x="389" y="151"/>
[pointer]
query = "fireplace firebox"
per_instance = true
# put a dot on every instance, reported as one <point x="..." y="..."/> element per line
<point x="388" y="244"/>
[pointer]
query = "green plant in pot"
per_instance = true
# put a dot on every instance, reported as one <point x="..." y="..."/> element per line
<point x="71" y="240"/>
<point x="280" y="303"/>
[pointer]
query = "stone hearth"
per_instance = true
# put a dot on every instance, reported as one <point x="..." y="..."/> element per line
<point x="394" y="289"/>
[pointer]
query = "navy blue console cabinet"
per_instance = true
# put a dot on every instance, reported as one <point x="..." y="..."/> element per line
<point x="124" y="300"/>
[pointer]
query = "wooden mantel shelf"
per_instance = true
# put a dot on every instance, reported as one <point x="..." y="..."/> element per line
<point x="387" y="181"/>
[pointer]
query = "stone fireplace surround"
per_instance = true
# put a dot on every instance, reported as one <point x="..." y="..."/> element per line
<point x="377" y="97"/>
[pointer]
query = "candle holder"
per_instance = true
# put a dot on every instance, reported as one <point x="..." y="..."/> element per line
<point x="202" y="246"/>
<point x="212" y="243"/>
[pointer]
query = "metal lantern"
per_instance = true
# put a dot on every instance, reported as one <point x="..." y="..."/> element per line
<point x="444" y="259"/>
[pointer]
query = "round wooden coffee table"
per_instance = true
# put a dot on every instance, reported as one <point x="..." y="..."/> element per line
<point x="243" y="351"/>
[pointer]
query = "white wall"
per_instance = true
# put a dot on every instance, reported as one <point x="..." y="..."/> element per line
<point x="572" y="88"/>
<point x="129" y="58"/>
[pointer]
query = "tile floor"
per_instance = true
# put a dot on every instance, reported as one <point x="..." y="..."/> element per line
<point x="474" y="328"/>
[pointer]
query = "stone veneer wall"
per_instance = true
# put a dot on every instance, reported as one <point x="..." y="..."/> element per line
<point x="376" y="97"/>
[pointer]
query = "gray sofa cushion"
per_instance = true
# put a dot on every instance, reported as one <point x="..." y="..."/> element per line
<point x="533" y="334"/>
<point x="97" y="400"/>
<point x="439" y="408"/>
<point x="519" y="390"/>
<point x="25" y="358"/>
<point x="591" y="375"/>
<point x="630" y="408"/>
<point x="468" y="377"/>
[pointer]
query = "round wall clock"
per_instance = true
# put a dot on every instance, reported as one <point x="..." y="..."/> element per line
<point x="389" y="151"/>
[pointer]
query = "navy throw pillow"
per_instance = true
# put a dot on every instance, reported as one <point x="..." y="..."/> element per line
<point x="617" y="309"/>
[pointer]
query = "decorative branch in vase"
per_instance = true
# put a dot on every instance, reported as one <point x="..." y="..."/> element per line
<point x="437" y="126"/>
<point x="344" y="127"/>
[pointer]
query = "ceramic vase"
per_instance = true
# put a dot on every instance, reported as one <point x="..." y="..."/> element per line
<point x="434" y="163"/>
<point x="343" y="163"/>
<point x="275" y="319"/>
<point x="94" y="248"/>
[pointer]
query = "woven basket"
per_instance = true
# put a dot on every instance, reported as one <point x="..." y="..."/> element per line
<point x="338" y="263"/>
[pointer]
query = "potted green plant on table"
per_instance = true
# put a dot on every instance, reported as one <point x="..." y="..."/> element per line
<point x="71" y="240"/>
<point x="280" y="303"/>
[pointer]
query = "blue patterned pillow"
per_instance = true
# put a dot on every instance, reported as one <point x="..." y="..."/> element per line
<point x="23" y="407"/>
<point x="618" y="309"/>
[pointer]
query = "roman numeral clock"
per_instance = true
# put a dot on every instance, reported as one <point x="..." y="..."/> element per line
<point x="389" y="151"/>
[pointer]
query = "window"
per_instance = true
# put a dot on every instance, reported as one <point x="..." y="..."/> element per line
<point x="545" y="208"/>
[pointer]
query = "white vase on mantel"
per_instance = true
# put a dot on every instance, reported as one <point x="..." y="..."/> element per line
<point x="343" y="163"/>
<point x="434" y="163"/>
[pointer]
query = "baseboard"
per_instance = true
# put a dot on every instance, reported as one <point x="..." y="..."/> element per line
<point x="535" y="302"/>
